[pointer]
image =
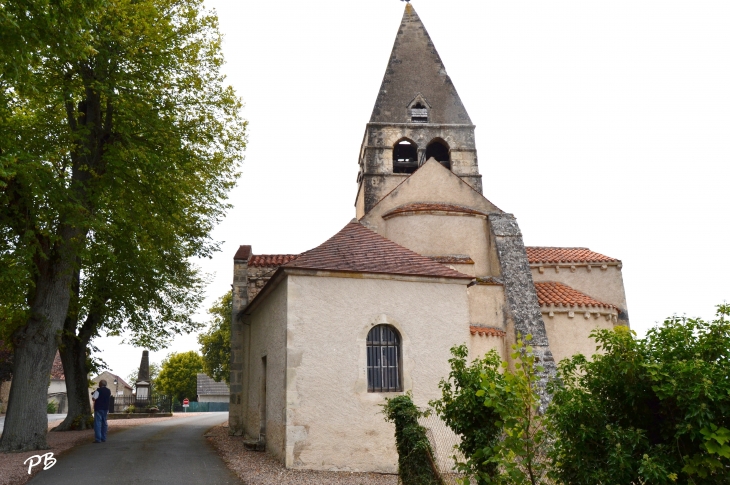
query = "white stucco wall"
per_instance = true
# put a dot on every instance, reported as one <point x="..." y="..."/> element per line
<point x="569" y="336"/>
<point x="442" y="235"/>
<point x="56" y="386"/>
<point x="333" y="423"/>
<point x="214" y="398"/>
<point x="266" y="337"/>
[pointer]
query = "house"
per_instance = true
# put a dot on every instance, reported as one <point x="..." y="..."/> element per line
<point x="116" y="384"/>
<point x="320" y="339"/>
<point x="211" y="391"/>
<point x="57" y="386"/>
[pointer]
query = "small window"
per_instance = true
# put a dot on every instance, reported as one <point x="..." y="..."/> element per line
<point x="383" y="349"/>
<point x="405" y="157"/>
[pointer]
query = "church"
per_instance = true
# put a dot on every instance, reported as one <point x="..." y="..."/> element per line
<point x="319" y="339"/>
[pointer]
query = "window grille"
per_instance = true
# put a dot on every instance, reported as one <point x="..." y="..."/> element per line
<point x="383" y="349"/>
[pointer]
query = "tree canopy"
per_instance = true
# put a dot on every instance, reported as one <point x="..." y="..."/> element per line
<point x="215" y="343"/>
<point x="179" y="375"/>
<point x="119" y="141"/>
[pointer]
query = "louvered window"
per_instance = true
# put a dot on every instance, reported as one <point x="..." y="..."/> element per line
<point x="383" y="349"/>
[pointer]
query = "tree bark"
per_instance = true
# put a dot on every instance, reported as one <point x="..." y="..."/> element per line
<point x="73" y="357"/>
<point x="26" y="422"/>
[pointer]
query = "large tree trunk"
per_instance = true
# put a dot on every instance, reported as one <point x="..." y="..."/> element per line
<point x="35" y="345"/>
<point x="73" y="357"/>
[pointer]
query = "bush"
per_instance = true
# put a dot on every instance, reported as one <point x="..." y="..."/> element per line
<point x="653" y="410"/>
<point x="130" y="409"/>
<point x="415" y="457"/>
<point x="51" y="407"/>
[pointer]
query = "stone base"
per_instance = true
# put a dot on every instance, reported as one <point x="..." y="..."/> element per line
<point x="137" y="415"/>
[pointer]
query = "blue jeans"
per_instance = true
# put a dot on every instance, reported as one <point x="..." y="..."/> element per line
<point x="100" y="426"/>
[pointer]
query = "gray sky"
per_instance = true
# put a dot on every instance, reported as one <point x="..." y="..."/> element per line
<point x="599" y="124"/>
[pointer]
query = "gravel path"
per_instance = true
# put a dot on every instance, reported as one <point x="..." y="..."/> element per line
<point x="256" y="468"/>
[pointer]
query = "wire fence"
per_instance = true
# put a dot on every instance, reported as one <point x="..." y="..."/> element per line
<point x="443" y="444"/>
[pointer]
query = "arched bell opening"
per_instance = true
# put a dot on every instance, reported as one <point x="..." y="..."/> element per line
<point x="405" y="156"/>
<point x="439" y="150"/>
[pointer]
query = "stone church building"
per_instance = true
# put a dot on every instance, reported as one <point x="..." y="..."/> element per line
<point x="319" y="339"/>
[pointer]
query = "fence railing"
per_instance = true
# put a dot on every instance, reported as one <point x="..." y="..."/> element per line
<point x="121" y="404"/>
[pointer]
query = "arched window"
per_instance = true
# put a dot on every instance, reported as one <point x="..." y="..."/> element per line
<point x="405" y="157"/>
<point x="383" y="349"/>
<point x="439" y="150"/>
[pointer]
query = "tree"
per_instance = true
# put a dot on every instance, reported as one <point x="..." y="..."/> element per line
<point x="464" y="412"/>
<point x="215" y="344"/>
<point x="154" y="372"/>
<point x="496" y="414"/>
<point x="179" y="375"/>
<point x="118" y="142"/>
<point x="6" y="362"/>
<point x="652" y="410"/>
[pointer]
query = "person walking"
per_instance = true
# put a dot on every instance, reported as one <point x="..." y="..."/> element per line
<point x="101" y="408"/>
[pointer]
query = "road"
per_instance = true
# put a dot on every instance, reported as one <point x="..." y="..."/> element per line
<point x="170" y="452"/>
<point x="51" y="417"/>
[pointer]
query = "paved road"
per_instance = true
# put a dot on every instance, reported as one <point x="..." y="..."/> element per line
<point x="51" y="417"/>
<point x="170" y="452"/>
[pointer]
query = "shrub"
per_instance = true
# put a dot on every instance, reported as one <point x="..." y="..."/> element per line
<point x="653" y="410"/>
<point x="415" y="457"/>
<point x="51" y="407"/>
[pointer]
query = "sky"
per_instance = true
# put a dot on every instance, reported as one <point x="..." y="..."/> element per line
<point x="599" y="124"/>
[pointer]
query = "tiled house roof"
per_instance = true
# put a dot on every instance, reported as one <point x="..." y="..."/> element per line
<point x="358" y="249"/>
<point x="487" y="331"/>
<point x="271" y="259"/>
<point x="57" y="368"/>
<point x="558" y="294"/>
<point x="548" y="255"/>
<point x="428" y="207"/>
<point x="208" y="387"/>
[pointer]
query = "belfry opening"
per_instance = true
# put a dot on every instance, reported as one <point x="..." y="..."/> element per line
<point x="405" y="157"/>
<point x="439" y="150"/>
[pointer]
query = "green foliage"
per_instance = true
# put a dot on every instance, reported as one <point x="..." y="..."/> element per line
<point x="653" y="410"/>
<point x="6" y="362"/>
<point x="415" y="457"/>
<point x="154" y="372"/>
<point x="215" y="344"/>
<point x="119" y="141"/>
<point x="51" y="407"/>
<point x="479" y="426"/>
<point x="130" y="409"/>
<point x="495" y="411"/>
<point x="179" y="375"/>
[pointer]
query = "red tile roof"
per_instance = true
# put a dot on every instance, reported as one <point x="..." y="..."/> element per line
<point x="427" y="207"/>
<point x="57" y="368"/>
<point x="487" y="331"/>
<point x="566" y="255"/>
<point x="271" y="259"/>
<point x="358" y="249"/>
<point x="553" y="293"/>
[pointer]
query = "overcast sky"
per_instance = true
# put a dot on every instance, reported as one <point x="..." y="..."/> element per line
<point x="599" y="124"/>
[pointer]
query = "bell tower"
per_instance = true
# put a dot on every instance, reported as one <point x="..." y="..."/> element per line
<point x="417" y="116"/>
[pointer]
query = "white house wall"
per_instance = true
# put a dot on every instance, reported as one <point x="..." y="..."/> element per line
<point x="333" y="422"/>
<point x="265" y="336"/>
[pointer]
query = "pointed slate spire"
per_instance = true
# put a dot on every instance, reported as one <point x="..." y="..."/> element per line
<point x="414" y="69"/>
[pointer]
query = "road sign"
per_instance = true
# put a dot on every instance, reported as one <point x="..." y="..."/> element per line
<point x="186" y="403"/>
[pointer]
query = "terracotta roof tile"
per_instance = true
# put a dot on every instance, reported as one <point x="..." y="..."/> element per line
<point x="271" y="259"/>
<point x="358" y="249"/>
<point x="538" y="254"/>
<point x="428" y="207"/>
<point x="57" y="368"/>
<point x="553" y="293"/>
<point x="488" y="281"/>
<point x="487" y="331"/>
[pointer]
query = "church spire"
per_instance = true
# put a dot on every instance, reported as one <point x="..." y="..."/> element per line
<point x="416" y="79"/>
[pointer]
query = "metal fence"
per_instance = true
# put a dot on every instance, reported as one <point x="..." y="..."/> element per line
<point x="202" y="407"/>
<point x="121" y="404"/>
<point x="443" y="443"/>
